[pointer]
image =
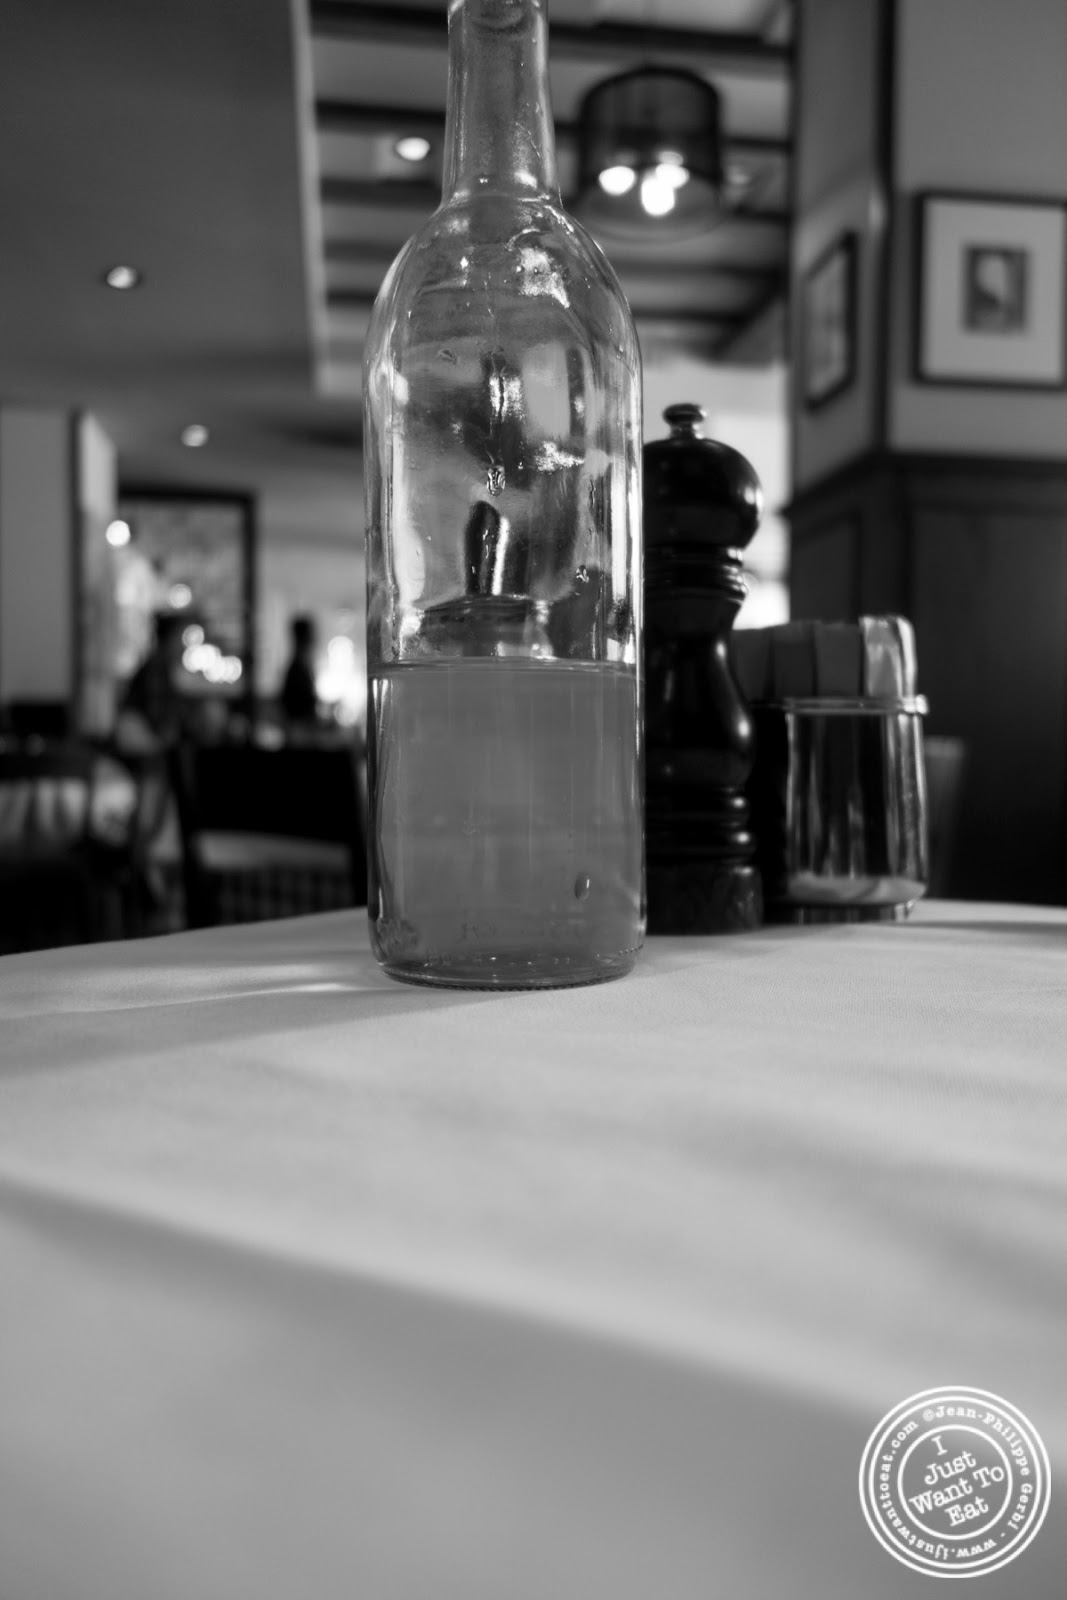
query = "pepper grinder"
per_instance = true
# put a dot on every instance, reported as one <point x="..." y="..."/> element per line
<point x="702" y="505"/>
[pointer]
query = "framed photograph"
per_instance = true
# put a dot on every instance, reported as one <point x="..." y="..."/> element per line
<point x="191" y="553"/>
<point x="828" y="323"/>
<point x="991" y="291"/>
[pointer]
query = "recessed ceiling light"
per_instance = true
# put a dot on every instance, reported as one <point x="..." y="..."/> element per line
<point x="123" y="277"/>
<point x="118" y="533"/>
<point x="195" y="435"/>
<point x="413" y="147"/>
<point x="673" y="174"/>
<point x="617" y="180"/>
<point x="657" y="197"/>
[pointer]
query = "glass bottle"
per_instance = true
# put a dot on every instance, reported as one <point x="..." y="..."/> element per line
<point x="502" y="458"/>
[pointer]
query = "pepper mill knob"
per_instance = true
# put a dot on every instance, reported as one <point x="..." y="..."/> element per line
<point x="683" y="417"/>
<point x="702" y="506"/>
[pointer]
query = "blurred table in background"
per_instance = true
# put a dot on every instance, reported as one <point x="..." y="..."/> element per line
<point x="315" y="1284"/>
<point x="269" y="832"/>
<point x="58" y="793"/>
<point x="66" y="844"/>
<point x="97" y="845"/>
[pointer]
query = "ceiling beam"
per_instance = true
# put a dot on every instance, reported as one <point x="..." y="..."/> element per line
<point x="345" y="116"/>
<point x="422" y="25"/>
<point x="774" y="294"/>
<point x="418" y="195"/>
<point x="376" y="253"/>
<point x="411" y="192"/>
<point x="729" y="321"/>
<point x="697" y="273"/>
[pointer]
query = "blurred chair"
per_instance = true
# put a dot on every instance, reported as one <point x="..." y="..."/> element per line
<point x="268" y="833"/>
<point x="39" y="719"/>
<point x="49" y="892"/>
<point x="46" y="794"/>
<point x="133" y="807"/>
<point x="77" y="825"/>
<point x="945" y="760"/>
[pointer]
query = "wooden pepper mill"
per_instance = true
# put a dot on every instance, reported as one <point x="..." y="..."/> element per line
<point x="702" y="505"/>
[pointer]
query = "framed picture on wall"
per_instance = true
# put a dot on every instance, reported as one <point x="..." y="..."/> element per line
<point x="828" y="323"/>
<point x="991" y="291"/>
<point x="191" y="554"/>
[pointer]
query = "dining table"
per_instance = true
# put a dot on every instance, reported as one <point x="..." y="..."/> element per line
<point x="316" y="1285"/>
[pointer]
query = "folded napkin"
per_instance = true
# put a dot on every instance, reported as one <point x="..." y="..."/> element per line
<point x="873" y="658"/>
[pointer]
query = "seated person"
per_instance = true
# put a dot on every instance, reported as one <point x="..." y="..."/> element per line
<point x="153" y="712"/>
<point x="299" y="698"/>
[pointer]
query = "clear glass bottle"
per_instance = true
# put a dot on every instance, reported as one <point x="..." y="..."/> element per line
<point x="502" y="456"/>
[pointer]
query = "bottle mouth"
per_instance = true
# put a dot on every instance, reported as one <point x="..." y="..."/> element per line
<point x="502" y="16"/>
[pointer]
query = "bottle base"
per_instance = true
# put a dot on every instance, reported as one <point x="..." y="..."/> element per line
<point x="511" y="971"/>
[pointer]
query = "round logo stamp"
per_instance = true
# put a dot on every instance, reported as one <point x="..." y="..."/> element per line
<point x="955" y="1482"/>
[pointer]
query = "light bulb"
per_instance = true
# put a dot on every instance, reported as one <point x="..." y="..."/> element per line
<point x="413" y="147"/>
<point x="194" y="436"/>
<point x="122" y="277"/>
<point x="118" y="534"/>
<point x="657" y="197"/>
<point x="673" y="174"/>
<point x="617" y="180"/>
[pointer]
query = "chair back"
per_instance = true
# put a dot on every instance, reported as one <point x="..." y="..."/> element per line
<point x="46" y="796"/>
<point x="48" y="895"/>
<point x="296" y="793"/>
<point x="40" y="719"/>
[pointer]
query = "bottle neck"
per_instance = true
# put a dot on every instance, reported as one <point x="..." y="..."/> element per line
<point x="498" y="132"/>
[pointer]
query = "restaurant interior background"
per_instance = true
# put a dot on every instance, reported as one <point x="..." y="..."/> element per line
<point x="185" y="437"/>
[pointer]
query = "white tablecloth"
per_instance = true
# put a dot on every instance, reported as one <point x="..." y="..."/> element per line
<point x="315" y="1285"/>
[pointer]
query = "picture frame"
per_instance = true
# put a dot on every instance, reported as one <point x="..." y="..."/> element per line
<point x="990" y="291"/>
<point x="828" y="325"/>
<point x="202" y="542"/>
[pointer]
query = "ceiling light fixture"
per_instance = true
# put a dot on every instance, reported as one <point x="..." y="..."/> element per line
<point x="117" y="534"/>
<point x="195" y="435"/>
<point x="617" y="180"/>
<point x="123" y="277"/>
<point x="413" y="147"/>
<point x="657" y="197"/>
<point x="672" y="170"/>
<point x="650" y="153"/>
